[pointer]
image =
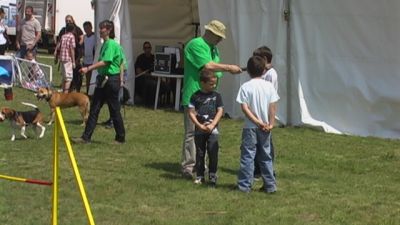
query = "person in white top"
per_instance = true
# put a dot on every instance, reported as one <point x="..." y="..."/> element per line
<point x="89" y="48"/>
<point x="271" y="76"/>
<point x="3" y="33"/>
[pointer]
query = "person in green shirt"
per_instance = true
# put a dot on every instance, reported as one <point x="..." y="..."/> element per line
<point x="108" y="84"/>
<point x="200" y="54"/>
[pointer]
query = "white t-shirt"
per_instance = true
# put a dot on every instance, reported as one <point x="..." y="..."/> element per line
<point x="89" y="43"/>
<point x="257" y="94"/>
<point x="272" y="76"/>
<point x="3" y="29"/>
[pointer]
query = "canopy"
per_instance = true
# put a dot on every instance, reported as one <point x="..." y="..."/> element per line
<point x="336" y="60"/>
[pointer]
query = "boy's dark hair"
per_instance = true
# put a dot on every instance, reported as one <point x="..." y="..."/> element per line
<point x="255" y="66"/>
<point x="69" y="27"/>
<point x="206" y="75"/>
<point x="87" y="23"/>
<point x="264" y="52"/>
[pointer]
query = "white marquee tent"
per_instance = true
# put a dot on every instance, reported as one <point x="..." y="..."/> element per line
<point x="337" y="61"/>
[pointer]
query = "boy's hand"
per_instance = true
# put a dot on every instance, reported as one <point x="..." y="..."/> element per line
<point x="204" y="128"/>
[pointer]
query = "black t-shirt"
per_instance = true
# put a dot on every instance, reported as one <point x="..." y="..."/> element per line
<point x="145" y="63"/>
<point x="206" y="105"/>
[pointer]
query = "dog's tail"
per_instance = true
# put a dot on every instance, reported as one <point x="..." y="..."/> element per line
<point x="30" y="104"/>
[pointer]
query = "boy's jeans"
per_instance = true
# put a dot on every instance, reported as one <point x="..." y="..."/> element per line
<point x="255" y="140"/>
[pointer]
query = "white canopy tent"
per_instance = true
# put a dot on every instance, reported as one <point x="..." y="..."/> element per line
<point x="336" y="60"/>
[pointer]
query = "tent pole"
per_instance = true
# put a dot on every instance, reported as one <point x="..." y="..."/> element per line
<point x="287" y="15"/>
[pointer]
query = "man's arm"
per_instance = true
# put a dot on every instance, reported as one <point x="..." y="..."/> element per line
<point x="18" y="39"/>
<point x="213" y="66"/>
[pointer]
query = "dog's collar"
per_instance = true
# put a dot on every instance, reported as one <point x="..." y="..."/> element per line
<point x="48" y="97"/>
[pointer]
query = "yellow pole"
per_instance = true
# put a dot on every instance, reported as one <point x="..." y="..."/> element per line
<point x="75" y="167"/>
<point x="55" y="174"/>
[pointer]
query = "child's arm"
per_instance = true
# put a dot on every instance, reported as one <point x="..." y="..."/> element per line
<point x="192" y="115"/>
<point x="72" y="53"/>
<point x="249" y="114"/>
<point x="216" y="119"/>
<point x="271" y="115"/>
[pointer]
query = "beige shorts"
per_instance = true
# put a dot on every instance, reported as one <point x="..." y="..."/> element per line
<point x="66" y="70"/>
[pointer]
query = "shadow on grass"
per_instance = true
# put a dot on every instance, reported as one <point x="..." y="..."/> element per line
<point x="228" y="170"/>
<point x="172" y="169"/>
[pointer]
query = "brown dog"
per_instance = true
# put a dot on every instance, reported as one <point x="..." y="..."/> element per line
<point x="22" y="119"/>
<point x="65" y="100"/>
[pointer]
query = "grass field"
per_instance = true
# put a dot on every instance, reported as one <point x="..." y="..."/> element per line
<point x="322" y="178"/>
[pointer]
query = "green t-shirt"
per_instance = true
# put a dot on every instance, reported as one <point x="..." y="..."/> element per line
<point x="112" y="55"/>
<point x="197" y="54"/>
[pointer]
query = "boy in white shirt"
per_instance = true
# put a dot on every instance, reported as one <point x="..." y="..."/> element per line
<point x="258" y="102"/>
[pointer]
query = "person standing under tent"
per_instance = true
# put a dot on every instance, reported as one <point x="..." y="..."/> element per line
<point x="28" y="34"/>
<point x="108" y="84"/>
<point x="200" y="53"/>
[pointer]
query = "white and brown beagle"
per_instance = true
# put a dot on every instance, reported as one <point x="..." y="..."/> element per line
<point x="22" y="119"/>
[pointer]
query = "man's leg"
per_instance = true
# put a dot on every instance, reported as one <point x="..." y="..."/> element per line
<point x="188" y="148"/>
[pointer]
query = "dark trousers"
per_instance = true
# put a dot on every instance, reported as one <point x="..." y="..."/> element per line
<point x="76" y="82"/>
<point x="257" y="171"/>
<point x="209" y="143"/>
<point x="108" y="94"/>
<point x="3" y="49"/>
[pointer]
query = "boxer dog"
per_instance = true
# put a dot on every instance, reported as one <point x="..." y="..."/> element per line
<point x="64" y="100"/>
<point x="22" y="119"/>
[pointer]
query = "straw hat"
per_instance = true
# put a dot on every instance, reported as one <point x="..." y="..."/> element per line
<point x="217" y="27"/>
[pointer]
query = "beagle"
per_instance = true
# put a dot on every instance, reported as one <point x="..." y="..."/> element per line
<point x="22" y="119"/>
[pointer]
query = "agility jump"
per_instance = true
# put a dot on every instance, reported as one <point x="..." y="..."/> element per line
<point x="59" y="126"/>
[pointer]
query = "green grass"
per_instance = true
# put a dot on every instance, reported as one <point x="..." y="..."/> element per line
<point x="322" y="178"/>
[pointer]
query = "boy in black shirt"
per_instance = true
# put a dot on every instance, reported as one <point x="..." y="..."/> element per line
<point x="205" y="110"/>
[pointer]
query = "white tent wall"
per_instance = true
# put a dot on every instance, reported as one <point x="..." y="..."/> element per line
<point x="343" y="61"/>
<point x="346" y="58"/>
<point x="250" y="24"/>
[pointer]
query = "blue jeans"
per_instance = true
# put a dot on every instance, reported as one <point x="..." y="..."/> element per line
<point x="254" y="140"/>
<point x="22" y="51"/>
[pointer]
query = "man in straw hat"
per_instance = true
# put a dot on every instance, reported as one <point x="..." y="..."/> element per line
<point x="200" y="53"/>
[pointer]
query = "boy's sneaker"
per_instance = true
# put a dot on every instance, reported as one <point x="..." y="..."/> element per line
<point x="199" y="180"/>
<point x="213" y="180"/>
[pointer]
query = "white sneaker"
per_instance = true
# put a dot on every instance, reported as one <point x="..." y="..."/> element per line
<point x="198" y="180"/>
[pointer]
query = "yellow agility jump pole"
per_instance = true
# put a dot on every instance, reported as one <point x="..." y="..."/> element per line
<point x="60" y="125"/>
<point x="26" y="180"/>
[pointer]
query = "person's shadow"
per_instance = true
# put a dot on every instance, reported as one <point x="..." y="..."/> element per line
<point x="171" y="170"/>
